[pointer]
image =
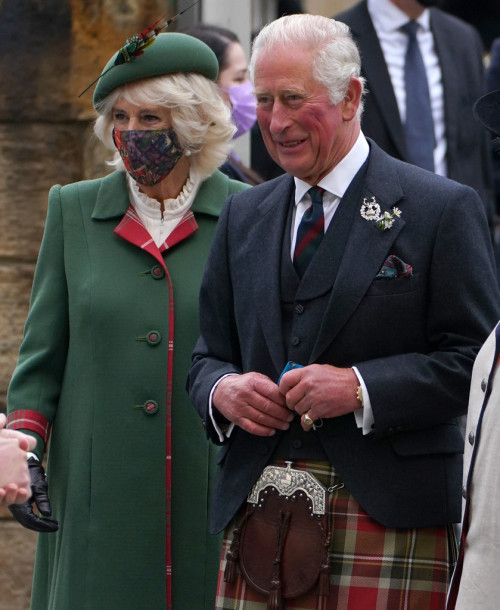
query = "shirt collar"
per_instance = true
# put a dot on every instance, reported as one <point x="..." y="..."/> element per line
<point x="341" y="176"/>
<point x="387" y="17"/>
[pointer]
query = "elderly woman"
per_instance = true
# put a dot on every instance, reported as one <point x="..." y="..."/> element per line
<point x="107" y="345"/>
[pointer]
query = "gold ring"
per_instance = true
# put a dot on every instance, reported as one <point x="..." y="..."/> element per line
<point x="307" y="420"/>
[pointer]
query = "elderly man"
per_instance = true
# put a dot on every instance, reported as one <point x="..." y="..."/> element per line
<point x="375" y="281"/>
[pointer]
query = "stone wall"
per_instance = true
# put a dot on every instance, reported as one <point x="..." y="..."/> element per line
<point x="50" y="50"/>
<point x="17" y="548"/>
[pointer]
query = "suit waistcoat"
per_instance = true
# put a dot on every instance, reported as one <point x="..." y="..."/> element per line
<point x="304" y="302"/>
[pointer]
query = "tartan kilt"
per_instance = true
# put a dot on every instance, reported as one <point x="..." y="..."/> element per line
<point x="372" y="567"/>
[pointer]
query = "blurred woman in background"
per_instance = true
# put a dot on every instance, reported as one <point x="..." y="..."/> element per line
<point x="235" y="87"/>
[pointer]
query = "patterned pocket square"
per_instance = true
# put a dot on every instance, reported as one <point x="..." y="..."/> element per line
<point x="393" y="268"/>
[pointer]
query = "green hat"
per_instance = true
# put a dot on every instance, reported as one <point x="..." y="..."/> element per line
<point x="168" y="53"/>
<point x="487" y="111"/>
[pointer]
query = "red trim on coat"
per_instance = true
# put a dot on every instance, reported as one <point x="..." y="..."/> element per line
<point x="132" y="229"/>
<point x="24" y="419"/>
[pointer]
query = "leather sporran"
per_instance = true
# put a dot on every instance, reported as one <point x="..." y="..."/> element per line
<point x="281" y="543"/>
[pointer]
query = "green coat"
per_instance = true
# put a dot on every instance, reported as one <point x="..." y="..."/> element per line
<point x="86" y="366"/>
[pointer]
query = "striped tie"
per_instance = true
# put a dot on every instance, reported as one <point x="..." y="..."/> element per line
<point x="419" y="125"/>
<point x="310" y="232"/>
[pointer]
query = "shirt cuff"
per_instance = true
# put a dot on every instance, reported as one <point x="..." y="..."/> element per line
<point x="226" y="433"/>
<point x="364" y="415"/>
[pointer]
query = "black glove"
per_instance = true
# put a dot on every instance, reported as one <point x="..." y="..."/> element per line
<point x="39" y="494"/>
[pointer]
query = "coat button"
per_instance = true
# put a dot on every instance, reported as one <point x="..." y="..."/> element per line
<point x="153" y="337"/>
<point x="295" y="341"/>
<point x="484" y="384"/>
<point x="297" y="443"/>
<point x="157" y="272"/>
<point x="464" y="492"/>
<point x="299" y="309"/>
<point x="150" y="407"/>
<point x="471" y="438"/>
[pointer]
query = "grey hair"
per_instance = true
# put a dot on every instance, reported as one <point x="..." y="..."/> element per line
<point x="336" y="57"/>
<point x="200" y="117"/>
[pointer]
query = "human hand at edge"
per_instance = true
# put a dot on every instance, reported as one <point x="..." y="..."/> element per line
<point x="39" y="495"/>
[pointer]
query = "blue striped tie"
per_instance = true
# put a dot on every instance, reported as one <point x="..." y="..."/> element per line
<point x="419" y="125"/>
<point x="310" y="232"/>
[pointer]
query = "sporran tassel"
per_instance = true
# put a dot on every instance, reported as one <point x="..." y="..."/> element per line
<point x="275" y="602"/>
<point x="233" y="555"/>
<point x="230" y="569"/>
<point x="324" y="581"/>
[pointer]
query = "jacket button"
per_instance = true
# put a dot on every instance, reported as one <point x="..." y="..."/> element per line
<point x="297" y="443"/>
<point x="153" y="337"/>
<point x="484" y="384"/>
<point x="295" y="341"/>
<point x="150" y="407"/>
<point x="299" y="309"/>
<point x="157" y="272"/>
<point x="464" y="492"/>
<point x="471" y="438"/>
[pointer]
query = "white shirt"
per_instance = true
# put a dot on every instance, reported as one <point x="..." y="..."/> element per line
<point x="159" y="225"/>
<point x="335" y="185"/>
<point x="387" y="20"/>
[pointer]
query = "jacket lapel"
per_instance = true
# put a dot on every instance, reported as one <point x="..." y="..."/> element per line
<point x="366" y="248"/>
<point x="377" y="75"/>
<point x="265" y="267"/>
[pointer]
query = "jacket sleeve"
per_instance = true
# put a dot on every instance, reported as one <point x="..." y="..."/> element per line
<point x="217" y="351"/>
<point x="35" y="387"/>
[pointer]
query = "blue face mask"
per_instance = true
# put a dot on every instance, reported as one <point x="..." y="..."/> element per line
<point x="148" y="155"/>
<point x="244" y="107"/>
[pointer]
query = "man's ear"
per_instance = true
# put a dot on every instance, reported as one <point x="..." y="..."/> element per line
<point x="351" y="99"/>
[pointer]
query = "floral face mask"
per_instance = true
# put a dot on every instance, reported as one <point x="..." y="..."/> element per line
<point x="148" y="155"/>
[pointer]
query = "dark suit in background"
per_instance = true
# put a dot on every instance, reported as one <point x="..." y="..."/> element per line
<point x="460" y="52"/>
<point x="493" y="84"/>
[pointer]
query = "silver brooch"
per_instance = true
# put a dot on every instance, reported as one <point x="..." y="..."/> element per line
<point x="288" y="481"/>
<point x="370" y="210"/>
